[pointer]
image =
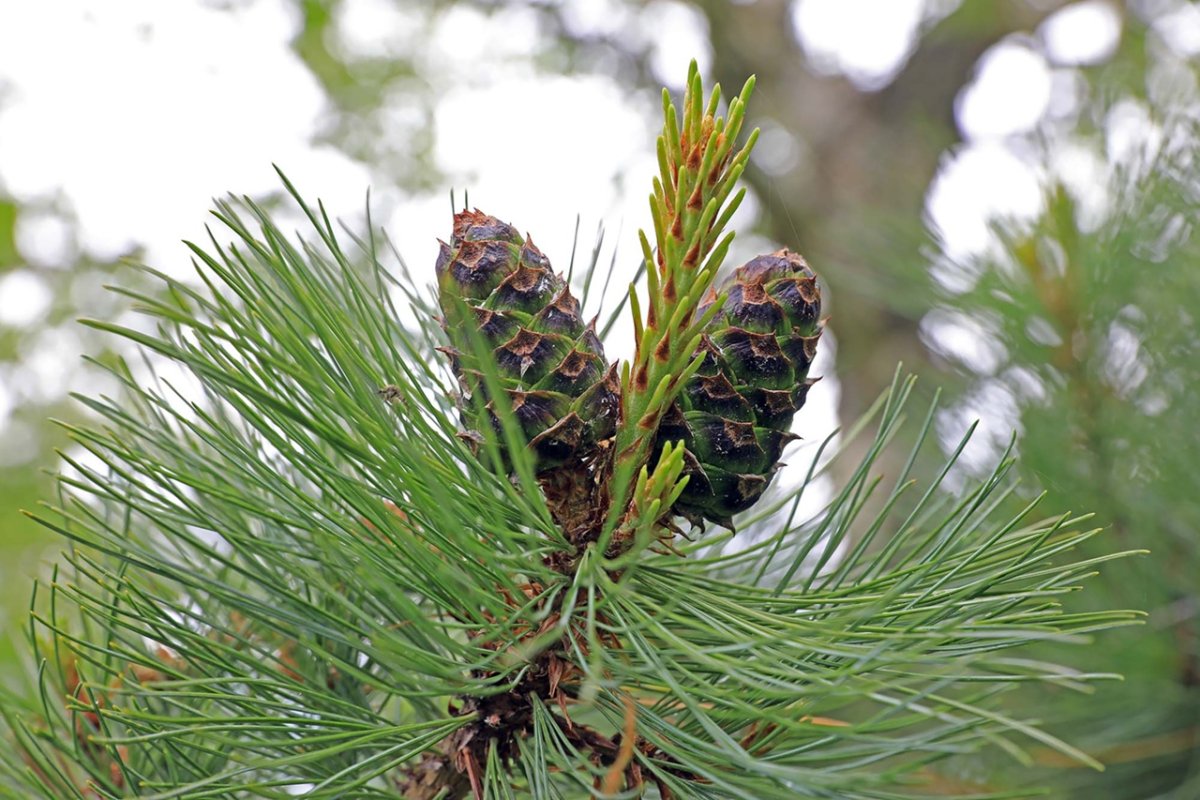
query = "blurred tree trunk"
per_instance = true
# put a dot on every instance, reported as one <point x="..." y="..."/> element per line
<point x="868" y="161"/>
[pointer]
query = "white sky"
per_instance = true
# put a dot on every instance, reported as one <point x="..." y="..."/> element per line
<point x="159" y="107"/>
<point x="134" y="114"/>
<point x="837" y="42"/>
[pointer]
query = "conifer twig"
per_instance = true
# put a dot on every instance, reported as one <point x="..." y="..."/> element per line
<point x="694" y="197"/>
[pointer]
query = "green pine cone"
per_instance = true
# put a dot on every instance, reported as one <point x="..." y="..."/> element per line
<point x="562" y="392"/>
<point x="734" y="417"/>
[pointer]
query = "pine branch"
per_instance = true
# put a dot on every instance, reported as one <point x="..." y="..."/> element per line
<point x="693" y="201"/>
<point x="289" y="574"/>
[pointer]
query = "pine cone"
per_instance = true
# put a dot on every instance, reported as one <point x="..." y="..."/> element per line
<point x="563" y="393"/>
<point x="734" y="417"/>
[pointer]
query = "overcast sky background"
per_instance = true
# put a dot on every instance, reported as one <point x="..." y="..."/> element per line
<point x="136" y="113"/>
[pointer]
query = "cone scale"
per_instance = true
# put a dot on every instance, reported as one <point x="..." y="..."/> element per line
<point x="562" y="392"/>
<point x="735" y="414"/>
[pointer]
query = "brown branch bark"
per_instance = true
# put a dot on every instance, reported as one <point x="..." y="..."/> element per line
<point x="435" y="776"/>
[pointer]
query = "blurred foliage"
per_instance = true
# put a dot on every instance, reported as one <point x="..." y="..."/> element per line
<point x="8" y="233"/>
<point x="1089" y="320"/>
<point x="39" y="362"/>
